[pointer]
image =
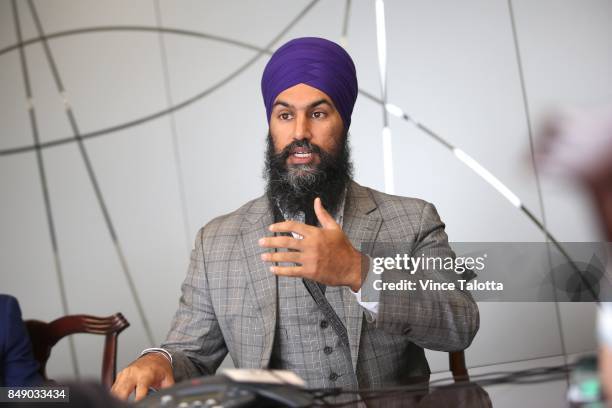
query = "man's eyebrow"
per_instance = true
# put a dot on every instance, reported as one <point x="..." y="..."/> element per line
<point x="282" y="103"/>
<point x="310" y="106"/>
<point x="320" y="102"/>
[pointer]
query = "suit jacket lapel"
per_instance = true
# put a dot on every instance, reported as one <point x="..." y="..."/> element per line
<point x="361" y="225"/>
<point x="262" y="283"/>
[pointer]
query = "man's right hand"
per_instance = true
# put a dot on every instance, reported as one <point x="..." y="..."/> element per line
<point x="151" y="370"/>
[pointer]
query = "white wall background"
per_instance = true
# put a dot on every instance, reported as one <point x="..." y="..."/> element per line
<point x="453" y="66"/>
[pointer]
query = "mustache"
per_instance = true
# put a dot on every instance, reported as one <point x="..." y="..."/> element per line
<point x="288" y="150"/>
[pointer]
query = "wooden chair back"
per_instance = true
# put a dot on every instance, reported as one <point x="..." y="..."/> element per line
<point x="45" y="335"/>
<point x="456" y="364"/>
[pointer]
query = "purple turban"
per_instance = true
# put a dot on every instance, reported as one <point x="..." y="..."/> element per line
<point x="313" y="61"/>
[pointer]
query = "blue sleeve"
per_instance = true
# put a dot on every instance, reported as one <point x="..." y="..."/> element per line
<point x="19" y="368"/>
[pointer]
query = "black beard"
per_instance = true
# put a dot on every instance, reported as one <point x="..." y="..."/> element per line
<point x="294" y="189"/>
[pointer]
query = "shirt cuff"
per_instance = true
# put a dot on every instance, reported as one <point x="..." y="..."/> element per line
<point x="371" y="306"/>
<point x="158" y="350"/>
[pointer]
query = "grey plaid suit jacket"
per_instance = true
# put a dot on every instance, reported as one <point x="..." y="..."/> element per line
<point x="229" y="297"/>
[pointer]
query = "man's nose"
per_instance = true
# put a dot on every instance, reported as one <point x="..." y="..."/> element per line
<point x="302" y="127"/>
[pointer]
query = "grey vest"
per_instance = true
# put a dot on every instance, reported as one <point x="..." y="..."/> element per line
<point x="307" y="341"/>
<point x="311" y="340"/>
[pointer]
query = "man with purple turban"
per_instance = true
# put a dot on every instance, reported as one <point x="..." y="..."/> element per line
<point x="277" y="283"/>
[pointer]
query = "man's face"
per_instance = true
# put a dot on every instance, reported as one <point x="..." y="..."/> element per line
<point x="303" y="113"/>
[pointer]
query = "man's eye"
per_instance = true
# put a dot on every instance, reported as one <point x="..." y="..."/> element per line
<point x="318" y="115"/>
<point x="284" y="116"/>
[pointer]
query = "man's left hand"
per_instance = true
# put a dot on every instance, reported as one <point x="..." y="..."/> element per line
<point x="324" y="254"/>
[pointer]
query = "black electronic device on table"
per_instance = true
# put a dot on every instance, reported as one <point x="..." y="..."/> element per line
<point x="221" y="391"/>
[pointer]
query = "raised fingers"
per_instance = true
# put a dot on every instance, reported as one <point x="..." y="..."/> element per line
<point x="291" y="226"/>
<point x="280" y="242"/>
<point x="295" y="271"/>
<point x="290" y="256"/>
